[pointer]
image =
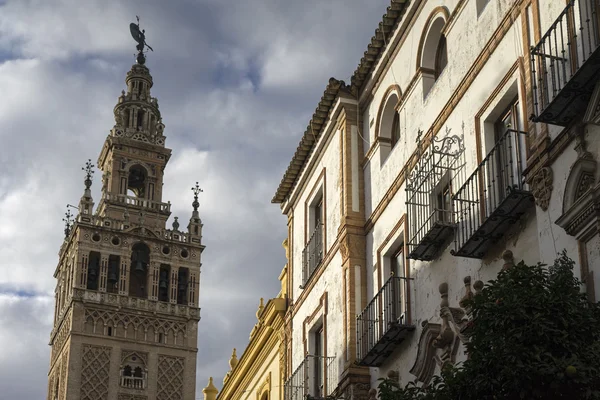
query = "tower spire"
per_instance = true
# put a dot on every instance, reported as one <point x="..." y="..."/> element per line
<point x="195" y="225"/>
<point x="86" y="204"/>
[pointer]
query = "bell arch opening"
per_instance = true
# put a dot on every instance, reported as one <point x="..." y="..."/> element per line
<point x="138" y="277"/>
<point x="136" y="181"/>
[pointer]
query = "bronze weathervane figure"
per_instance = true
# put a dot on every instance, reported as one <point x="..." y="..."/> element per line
<point x="140" y="37"/>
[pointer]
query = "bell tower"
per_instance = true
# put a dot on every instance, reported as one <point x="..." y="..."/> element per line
<point x="126" y="299"/>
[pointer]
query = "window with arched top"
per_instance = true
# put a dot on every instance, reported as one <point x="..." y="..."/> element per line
<point x="388" y="123"/>
<point x="133" y="372"/>
<point x="432" y="56"/>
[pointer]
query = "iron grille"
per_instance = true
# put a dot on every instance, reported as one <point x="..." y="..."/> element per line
<point x="429" y="190"/>
<point x="312" y="255"/>
<point x="557" y="60"/>
<point x="316" y="378"/>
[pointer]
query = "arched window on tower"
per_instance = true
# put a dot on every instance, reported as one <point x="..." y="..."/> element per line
<point x="93" y="270"/>
<point x="441" y="57"/>
<point x="112" y="282"/>
<point x="140" y="119"/>
<point x="136" y="181"/>
<point x="133" y="372"/>
<point x="182" y="285"/>
<point x="140" y="261"/>
<point x="163" y="282"/>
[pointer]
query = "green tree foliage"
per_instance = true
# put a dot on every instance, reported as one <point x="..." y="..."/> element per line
<point x="534" y="335"/>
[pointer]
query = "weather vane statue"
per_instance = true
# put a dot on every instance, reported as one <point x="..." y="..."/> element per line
<point x="140" y="37"/>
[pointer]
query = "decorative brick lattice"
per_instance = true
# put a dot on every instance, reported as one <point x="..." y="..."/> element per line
<point x="63" y="376"/>
<point x="170" y="378"/>
<point x="61" y="337"/>
<point x="95" y="369"/>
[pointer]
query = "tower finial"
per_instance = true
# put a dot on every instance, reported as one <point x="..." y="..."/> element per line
<point x="196" y="189"/>
<point x="89" y="172"/>
<point x="68" y="220"/>
<point x="140" y="37"/>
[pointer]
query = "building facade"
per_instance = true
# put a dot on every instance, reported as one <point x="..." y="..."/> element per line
<point x="126" y="308"/>
<point x="258" y="374"/>
<point x="466" y="140"/>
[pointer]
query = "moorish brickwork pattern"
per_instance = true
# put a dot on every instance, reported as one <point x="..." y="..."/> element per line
<point x="170" y="378"/>
<point x="95" y="369"/>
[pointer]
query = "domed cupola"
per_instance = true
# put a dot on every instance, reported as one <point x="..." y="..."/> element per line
<point x="137" y="115"/>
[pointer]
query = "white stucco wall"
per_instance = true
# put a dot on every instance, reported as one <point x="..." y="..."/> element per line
<point x="536" y="238"/>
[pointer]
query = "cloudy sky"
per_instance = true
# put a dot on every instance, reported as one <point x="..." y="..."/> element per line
<point x="236" y="81"/>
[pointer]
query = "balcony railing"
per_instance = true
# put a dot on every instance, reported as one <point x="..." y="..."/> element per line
<point x="138" y="202"/>
<point x="428" y="190"/>
<point x="312" y="255"/>
<point x="564" y="64"/>
<point x="492" y="199"/>
<point x="132" y="382"/>
<point x="383" y="324"/>
<point x="316" y="378"/>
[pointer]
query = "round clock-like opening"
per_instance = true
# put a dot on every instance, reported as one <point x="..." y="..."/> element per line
<point x="166" y="250"/>
<point x="184" y="253"/>
<point x="96" y="237"/>
<point x="116" y="241"/>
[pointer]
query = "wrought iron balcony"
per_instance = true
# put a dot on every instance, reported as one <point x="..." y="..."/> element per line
<point x="382" y="325"/>
<point x="428" y="190"/>
<point x="315" y="378"/>
<point x="312" y="255"/>
<point x="492" y="199"/>
<point x="565" y="64"/>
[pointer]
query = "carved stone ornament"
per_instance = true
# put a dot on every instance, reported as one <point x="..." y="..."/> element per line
<point x="424" y="366"/>
<point x="541" y="187"/>
<point x="581" y="203"/>
<point x="439" y="343"/>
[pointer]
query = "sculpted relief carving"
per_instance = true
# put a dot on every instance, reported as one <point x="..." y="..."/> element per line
<point x="541" y="187"/>
<point x="439" y="343"/>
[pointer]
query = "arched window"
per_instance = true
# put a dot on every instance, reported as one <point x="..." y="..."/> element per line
<point x="136" y="181"/>
<point x="432" y="55"/>
<point x="388" y="124"/>
<point x="133" y="372"/>
<point x="140" y="260"/>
